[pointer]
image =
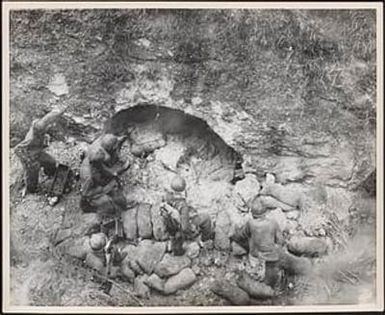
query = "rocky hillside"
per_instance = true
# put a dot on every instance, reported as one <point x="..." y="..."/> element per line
<point x="291" y="92"/>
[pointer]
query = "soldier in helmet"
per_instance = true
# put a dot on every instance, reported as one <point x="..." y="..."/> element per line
<point x="265" y="243"/>
<point x="100" y="188"/>
<point x="188" y="221"/>
<point x="31" y="150"/>
<point x="96" y="256"/>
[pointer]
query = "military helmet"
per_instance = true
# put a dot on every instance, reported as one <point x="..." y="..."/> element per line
<point x="98" y="241"/>
<point x="256" y="207"/>
<point x="109" y="141"/>
<point x="178" y="183"/>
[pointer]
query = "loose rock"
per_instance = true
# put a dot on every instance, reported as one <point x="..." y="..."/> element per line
<point x="127" y="272"/>
<point x="149" y="254"/>
<point x="182" y="280"/>
<point x="144" y="221"/>
<point x="171" y="265"/>
<point x="230" y="292"/>
<point x="140" y="288"/>
<point x="307" y="246"/>
<point x="255" y="289"/>
<point x="130" y="226"/>
<point x="156" y="283"/>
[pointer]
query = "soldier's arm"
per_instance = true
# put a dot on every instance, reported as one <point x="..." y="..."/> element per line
<point x="109" y="171"/>
<point x="184" y="218"/>
<point x="242" y="233"/>
<point x="123" y="168"/>
<point x="49" y="118"/>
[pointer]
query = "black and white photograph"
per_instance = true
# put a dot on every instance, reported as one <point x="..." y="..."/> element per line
<point x="172" y="156"/>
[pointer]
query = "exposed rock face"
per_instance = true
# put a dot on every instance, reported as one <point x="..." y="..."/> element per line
<point x="171" y="265"/>
<point x="182" y="280"/>
<point x="230" y="292"/>
<point x="149" y="254"/>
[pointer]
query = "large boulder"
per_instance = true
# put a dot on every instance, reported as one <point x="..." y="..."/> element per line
<point x="254" y="288"/>
<point x="307" y="246"/>
<point x="149" y="254"/>
<point x="155" y="282"/>
<point x="231" y="292"/>
<point x="171" y="265"/>
<point x="291" y="195"/>
<point x="143" y="218"/>
<point x="130" y="227"/>
<point x="246" y="189"/>
<point x="272" y="203"/>
<point x="182" y="280"/>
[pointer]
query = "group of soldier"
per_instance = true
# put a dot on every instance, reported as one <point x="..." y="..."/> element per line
<point x="102" y="192"/>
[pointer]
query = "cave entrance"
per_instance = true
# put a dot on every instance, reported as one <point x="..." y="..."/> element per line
<point x="167" y="141"/>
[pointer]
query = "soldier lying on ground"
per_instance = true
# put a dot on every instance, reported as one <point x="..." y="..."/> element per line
<point x="31" y="151"/>
<point x="187" y="221"/>
<point x="265" y="243"/>
<point x="100" y="187"/>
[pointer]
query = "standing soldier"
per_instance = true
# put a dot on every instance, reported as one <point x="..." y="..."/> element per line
<point x="265" y="243"/>
<point x="31" y="151"/>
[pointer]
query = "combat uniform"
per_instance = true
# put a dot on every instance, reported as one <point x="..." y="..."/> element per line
<point x="100" y="188"/>
<point x="265" y="244"/>
<point x="31" y="152"/>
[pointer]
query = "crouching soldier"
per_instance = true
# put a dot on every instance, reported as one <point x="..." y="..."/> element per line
<point x="100" y="187"/>
<point x="31" y="151"/>
<point x="265" y="244"/>
<point x="96" y="258"/>
<point x="185" y="221"/>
